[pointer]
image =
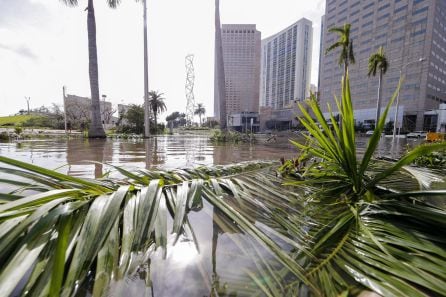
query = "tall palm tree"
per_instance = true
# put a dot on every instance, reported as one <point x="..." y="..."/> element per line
<point x="96" y="130"/>
<point x="157" y="105"/>
<point x="146" y="75"/>
<point x="378" y="62"/>
<point x="344" y="42"/>
<point x="200" y="110"/>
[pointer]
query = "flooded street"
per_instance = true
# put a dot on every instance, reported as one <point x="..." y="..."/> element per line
<point x="217" y="258"/>
<point x="164" y="152"/>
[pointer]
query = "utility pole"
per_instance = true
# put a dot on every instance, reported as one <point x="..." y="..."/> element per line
<point x="64" y="94"/>
<point x="27" y="102"/>
<point x="146" y="77"/>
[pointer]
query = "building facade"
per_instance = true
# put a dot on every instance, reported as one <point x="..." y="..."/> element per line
<point x="241" y="58"/>
<point x="286" y="65"/>
<point x="286" y="72"/>
<point x="409" y="30"/>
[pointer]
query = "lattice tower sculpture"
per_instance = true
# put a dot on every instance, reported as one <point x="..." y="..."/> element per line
<point x="190" y="80"/>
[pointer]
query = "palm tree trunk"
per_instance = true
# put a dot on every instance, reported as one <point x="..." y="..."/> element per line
<point x="199" y="115"/>
<point x="156" y="121"/>
<point x="96" y="130"/>
<point x="146" y="78"/>
<point x="378" y="102"/>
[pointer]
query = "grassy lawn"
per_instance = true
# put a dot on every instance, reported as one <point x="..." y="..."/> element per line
<point x="15" y="120"/>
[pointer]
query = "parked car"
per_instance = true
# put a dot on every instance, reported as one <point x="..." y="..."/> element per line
<point x="369" y="133"/>
<point x="417" y="134"/>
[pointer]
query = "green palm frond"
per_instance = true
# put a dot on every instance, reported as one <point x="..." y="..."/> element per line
<point x="113" y="3"/>
<point x="377" y="61"/>
<point x="156" y="101"/>
<point x="351" y="55"/>
<point x="341" y="30"/>
<point x="344" y="42"/>
<point x="369" y="227"/>
<point x="200" y="109"/>
<point x="110" y="3"/>
<point x="333" y="46"/>
<point x="70" y="2"/>
<point x="86" y="223"/>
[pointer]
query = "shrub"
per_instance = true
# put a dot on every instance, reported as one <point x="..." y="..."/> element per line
<point x="4" y="135"/>
<point x="18" y="130"/>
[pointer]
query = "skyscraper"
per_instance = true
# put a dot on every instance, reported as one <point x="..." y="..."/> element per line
<point x="408" y="30"/>
<point x="219" y="72"/>
<point x="321" y="53"/>
<point x="286" y="65"/>
<point x="285" y="74"/>
<point x="241" y="57"/>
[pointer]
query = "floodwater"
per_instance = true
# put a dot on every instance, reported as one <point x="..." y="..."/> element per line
<point x="163" y="152"/>
<point x="226" y="258"/>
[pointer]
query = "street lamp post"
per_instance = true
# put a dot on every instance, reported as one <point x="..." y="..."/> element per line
<point x="398" y="98"/>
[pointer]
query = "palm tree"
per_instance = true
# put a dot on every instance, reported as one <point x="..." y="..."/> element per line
<point x="157" y="105"/>
<point x="200" y="110"/>
<point x="146" y="76"/>
<point x="95" y="130"/>
<point x="345" y="43"/>
<point x="378" y="62"/>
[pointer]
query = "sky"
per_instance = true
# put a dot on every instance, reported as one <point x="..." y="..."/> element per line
<point x="43" y="47"/>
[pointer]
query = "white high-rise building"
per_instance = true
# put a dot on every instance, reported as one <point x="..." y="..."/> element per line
<point x="286" y="66"/>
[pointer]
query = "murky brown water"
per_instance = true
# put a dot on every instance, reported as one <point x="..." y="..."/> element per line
<point x="225" y="256"/>
<point x="166" y="152"/>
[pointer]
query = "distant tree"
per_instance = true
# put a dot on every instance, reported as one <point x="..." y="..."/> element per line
<point x="178" y="119"/>
<point x="344" y="42"/>
<point x="135" y="118"/>
<point x="173" y="116"/>
<point x="388" y="128"/>
<point x="200" y="110"/>
<point x="182" y="120"/>
<point x="378" y="63"/>
<point x="212" y="123"/>
<point x="157" y="105"/>
<point x="78" y="114"/>
<point x="96" y="130"/>
<point x="121" y="115"/>
<point x="107" y="113"/>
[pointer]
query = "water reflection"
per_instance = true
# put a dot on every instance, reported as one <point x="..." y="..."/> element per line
<point x="219" y="268"/>
<point x="166" y="152"/>
<point x="82" y="154"/>
<point x="154" y="156"/>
